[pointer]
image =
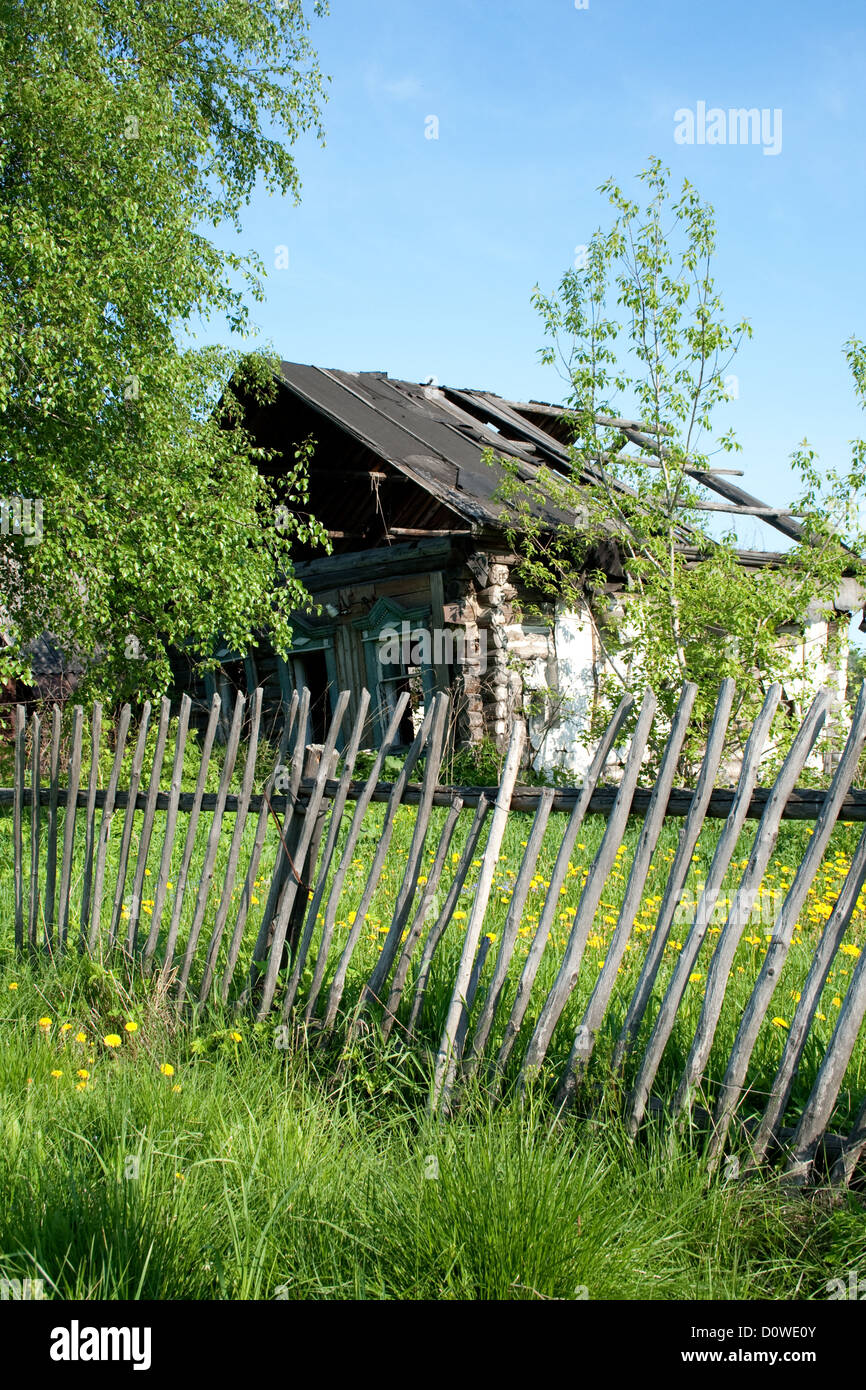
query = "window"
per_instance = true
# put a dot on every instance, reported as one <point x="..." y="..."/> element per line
<point x="398" y="657"/>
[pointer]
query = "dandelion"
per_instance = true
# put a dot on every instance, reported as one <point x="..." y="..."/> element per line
<point x="14" y="984"/>
<point x="695" y="978"/>
<point x="112" y="1040"/>
<point x="235" y="1037"/>
<point x="176" y="1088"/>
<point x="81" y="1085"/>
<point x="45" y="1024"/>
<point x="836" y="1002"/>
<point x="180" y="1177"/>
<point x="82" y="1073"/>
<point x="81" y="1037"/>
<point x="130" y="1027"/>
<point x="66" y="1028"/>
<point x="780" y="1023"/>
<point x="57" y="1075"/>
<point x="167" y="1069"/>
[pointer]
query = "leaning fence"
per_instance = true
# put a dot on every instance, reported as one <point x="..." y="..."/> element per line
<point x="240" y="896"/>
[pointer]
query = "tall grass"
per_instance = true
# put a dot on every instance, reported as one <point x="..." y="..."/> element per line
<point x="250" y="1172"/>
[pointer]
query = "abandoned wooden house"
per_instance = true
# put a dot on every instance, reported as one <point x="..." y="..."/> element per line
<point x="420" y="591"/>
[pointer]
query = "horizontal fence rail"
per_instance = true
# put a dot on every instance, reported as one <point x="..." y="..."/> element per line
<point x="281" y="882"/>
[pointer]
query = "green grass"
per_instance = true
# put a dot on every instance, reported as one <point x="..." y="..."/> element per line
<point x="253" y="1173"/>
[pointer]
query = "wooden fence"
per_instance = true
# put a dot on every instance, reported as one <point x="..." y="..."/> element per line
<point x="270" y="948"/>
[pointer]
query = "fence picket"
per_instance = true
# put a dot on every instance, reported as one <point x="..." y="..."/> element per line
<point x="819" y="1106"/>
<point x="584" y="1038"/>
<point x="105" y="829"/>
<point x="128" y="824"/>
<point x="744" y="900"/>
<point x="375" y="986"/>
<point x="90" y="823"/>
<point x="401" y="970"/>
<point x="437" y="931"/>
<point x="73" y="780"/>
<point x="678" y="874"/>
<point x="774" y="960"/>
<point x="361" y="807"/>
<point x="51" y="852"/>
<point x="336" y="820"/>
<point x="207" y="869"/>
<point x="135" y="904"/>
<point x="191" y="829"/>
<point x="35" y="828"/>
<point x="162" y="880"/>
<point x="234" y="848"/>
<point x="727" y="843"/>
<point x="557" y="879"/>
<point x="510" y="931"/>
<point x="339" y="980"/>
<point x="247" y="893"/>
<point x="17" y="822"/>
<point x="566" y="979"/>
<point x="447" y="1058"/>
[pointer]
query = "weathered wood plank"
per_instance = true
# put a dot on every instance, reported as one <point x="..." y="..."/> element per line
<point x="207" y="869"/>
<point x="234" y="848"/>
<point x="557" y="879"/>
<point x="434" y="877"/>
<point x="375" y="987"/>
<point x="678" y="874"/>
<point x="447" y="1057"/>
<point x="162" y="879"/>
<point x="105" y="829"/>
<point x="35" y="827"/>
<point x="90" y="822"/>
<point x="17" y="822"/>
<point x="191" y="829"/>
<point x="51" y="852"/>
<point x="727" y="843"/>
<point x="290" y="781"/>
<point x="566" y="979"/>
<point x="744" y="900"/>
<point x="248" y="891"/>
<point x="819" y="1106"/>
<point x="135" y="903"/>
<point x="584" y="1039"/>
<point x="437" y="931"/>
<point x="339" y="981"/>
<point x="73" y="779"/>
<point x="128" y="823"/>
<point x="293" y="884"/>
<point x="510" y="932"/>
<point x="337" y="811"/>
<point x="777" y="953"/>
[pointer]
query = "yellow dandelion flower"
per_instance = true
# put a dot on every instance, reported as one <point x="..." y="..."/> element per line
<point x="82" y="1073"/>
<point x="176" y="1088"/>
<point x="57" y="1074"/>
<point x="66" y="1028"/>
<point x="780" y="1023"/>
<point x="131" y="1027"/>
<point x="81" y="1037"/>
<point x="112" y="1040"/>
<point x="167" y="1069"/>
<point x="14" y="984"/>
<point x="45" y="1024"/>
<point x="81" y="1085"/>
<point x="836" y="1002"/>
<point x="695" y="978"/>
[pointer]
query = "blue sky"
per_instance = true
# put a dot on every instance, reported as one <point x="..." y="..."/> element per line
<point x="417" y="256"/>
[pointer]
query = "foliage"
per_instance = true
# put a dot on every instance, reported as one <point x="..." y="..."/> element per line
<point x="128" y="133"/>
<point x="690" y="609"/>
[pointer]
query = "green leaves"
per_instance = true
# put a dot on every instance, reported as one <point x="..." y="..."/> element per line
<point x="124" y="132"/>
<point x="690" y="609"/>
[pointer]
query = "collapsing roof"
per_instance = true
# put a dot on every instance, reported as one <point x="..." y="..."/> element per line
<point x="436" y="437"/>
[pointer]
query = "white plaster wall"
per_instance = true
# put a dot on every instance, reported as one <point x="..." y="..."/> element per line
<point x="563" y="744"/>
